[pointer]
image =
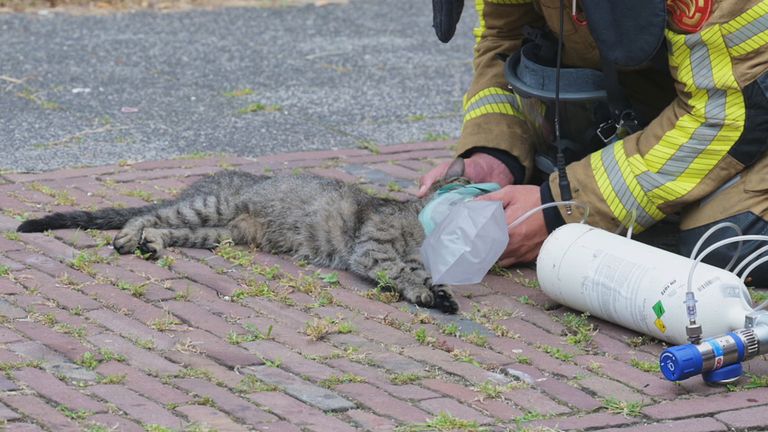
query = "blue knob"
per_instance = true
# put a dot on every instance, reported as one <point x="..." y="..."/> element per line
<point x="680" y="362"/>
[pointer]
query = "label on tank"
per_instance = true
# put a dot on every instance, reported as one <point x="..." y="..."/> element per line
<point x="614" y="292"/>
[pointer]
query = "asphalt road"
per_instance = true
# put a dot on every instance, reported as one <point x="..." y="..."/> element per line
<point x="91" y="90"/>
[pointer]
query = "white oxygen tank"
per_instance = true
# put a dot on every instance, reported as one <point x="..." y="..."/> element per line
<point x="637" y="286"/>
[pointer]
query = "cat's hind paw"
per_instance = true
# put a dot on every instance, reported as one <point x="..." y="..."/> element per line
<point x="444" y="300"/>
<point x="151" y="243"/>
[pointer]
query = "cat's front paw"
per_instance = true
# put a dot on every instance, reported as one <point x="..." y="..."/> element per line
<point x="151" y="243"/>
<point x="444" y="300"/>
<point x="126" y="241"/>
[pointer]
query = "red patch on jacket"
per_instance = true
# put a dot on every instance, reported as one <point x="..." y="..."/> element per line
<point x="689" y="15"/>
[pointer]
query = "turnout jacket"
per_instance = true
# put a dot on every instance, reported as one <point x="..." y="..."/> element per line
<point x="708" y="112"/>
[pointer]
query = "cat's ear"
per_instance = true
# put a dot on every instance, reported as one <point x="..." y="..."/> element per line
<point x="455" y="170"/>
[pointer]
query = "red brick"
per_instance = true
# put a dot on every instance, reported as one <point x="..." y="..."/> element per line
<point x="130" y="328"/>
<point x="62" y="174"/>
<point x="568" y="394"/>
<point x="289" y="359"/>
<point x="371" y="422"/>
<point x="196" y="316"/>
<point x="158" y="174"/>
<point x="40" y="412"/>
<point x="375" y="377"/>
<point x="52" y="388"/>
<point x="50" y="266"/>
<point x="60" y="342"/>
<point x="589" y="421"/>
<point x="210" y="417"/>
<point x="298" y="413"/>
<point x="135" y="356"/>
<point x="418" y="146"/>
<point x="48" y="287"/>
<point x="50" y="246"/>
<point x="144" y="384"/>
<point x="144" y="268"/>
<point x="10" y="245"/>
<point x="707" y="405"/>
<point x="206" y="276"/>
<point x="122" y="301"/>
<point x="290" y="337"/>
<point x="382" y="403"/>
<point x="226" y="401"/>
<point x="493" y="407"/>
<point x="220" y="350"/>
<point x="334" y="173"/>
<point x="448" y="405"/>
<point x="7" y="335"/>
<point x="397" y="171"/>
<point x="76" y="238"/>
<point x="607" y="388"/>
<point x="7" y="414"/>
<point x="137" y="406"/>
<point x="371" y="308"/>
<point x="650" y="384"/>
<point x="25" y="427"/>
<point x="113" y="422"/>
<point x="532" y="400"/>
<point x="444" y="360"/>
<point x="217" y="371"/>
<point x="688" y="425"/>
<point x="756" y="417"/>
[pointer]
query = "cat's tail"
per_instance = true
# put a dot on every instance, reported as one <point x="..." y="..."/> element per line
<point x="106" y="218"/>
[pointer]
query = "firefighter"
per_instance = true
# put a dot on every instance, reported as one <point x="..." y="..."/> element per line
<point x="692" y="74"/>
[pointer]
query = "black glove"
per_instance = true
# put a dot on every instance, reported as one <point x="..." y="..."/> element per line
<point x="445" y="16"/>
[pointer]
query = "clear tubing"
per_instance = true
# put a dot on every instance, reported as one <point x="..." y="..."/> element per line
<point x="717" y="245"/>
<point x="746" y="260"/>
<point x="752" y="267"/>
<point x="523" y="217"/>
<point x="712" y="231"/>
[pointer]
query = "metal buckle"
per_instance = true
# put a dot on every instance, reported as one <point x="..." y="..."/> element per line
<point x="604" y="129"/>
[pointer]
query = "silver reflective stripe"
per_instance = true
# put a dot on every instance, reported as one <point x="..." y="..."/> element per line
<point x="490" y="99"/>
<point x="621" y="188"/>
<point x="714" y="111"/>
<point x="747" y="32"/>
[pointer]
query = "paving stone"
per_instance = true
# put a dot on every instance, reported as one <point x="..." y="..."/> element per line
<point x="589" y="421"/>
<point x="224" y="352"/>
<point x="7" y="414"/>
<point x="8" y="310"/>
<point x="50" y="246"/>
<point x="52" y="388"/>
<point x="225" y="400"/>
<point x="377" y="378"/>
<point x="451" y="406"/>
<point x="41" y="412"/>
<point x="383" y="404"/>
<point x="493" y="407"/>
<point x="135" y="356"/>
<point x="113" y="422"/>
<point x="137" y="406"/>
<point x="24" y="427"/>
<point x="444" y="361"/>
<point x="206" y="276"/>
<point x="193" y="361"/>
<point x="650" y="384"/>
<point x="125" y="303"/>
<point x="53" y="362"/>
<point x="756" y="417"/>
<point x="144" y="384"/>
<point x="50" y="288"/>
<point x="289" y="336"/>
<point x="309" y="393"/>
<point x="299" y="413"/>
<point x="709" y="405"/>
<point x="607" y="388"/>
<point x="371" y="422"/>
<point x="688" y="425"/>
<point x="196" y="316"/>
<point x="131" y="328"/>
<point x="289" y="360"/>
<point x="210" y="417"/>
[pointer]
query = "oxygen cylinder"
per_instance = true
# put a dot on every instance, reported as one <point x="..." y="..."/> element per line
<point x="637" y="286"/>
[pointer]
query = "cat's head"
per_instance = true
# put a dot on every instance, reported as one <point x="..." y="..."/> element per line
<point x="453" y="175"/>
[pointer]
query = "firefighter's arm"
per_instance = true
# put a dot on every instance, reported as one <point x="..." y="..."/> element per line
<point x="715" y="128"/>
<point x="492" y="124"/>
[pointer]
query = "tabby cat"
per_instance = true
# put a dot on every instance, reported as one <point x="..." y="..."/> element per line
<point x="323" y="221"/>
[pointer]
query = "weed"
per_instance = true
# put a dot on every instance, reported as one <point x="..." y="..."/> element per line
<point x="152" y="427"/>
<point x="239" y="93"/>
<point x="638" y="341"/>
<point x="466" y="357"/>
<point x="476" y="338"/>
<point x="555" y="352"/>
<point x="523" y="360"/>
<point x="147" y="344"/>
<point x="112" y="379"/>
<point x="194" y="373"/>
<point x="275" y="363"/>
<point x="443" y="422"/>
<point x="645" y="366"/>
<point x="330" y="278"/>
<point x="136" y="290"/>
<point x="259" y="107"/>
<point x="168" y="322"/>
<point x="204" y="400"/>
<point x="347" y="378"/>
<point x="595" y="367"/>
<point x="11" y="235"/>
<point x="627" y="409"/>
<point x="436" y="136"/>
<point x="524" y="299"/>
<point x="251" y="384"/>
<point x="140" y="194"/>
<point x="84" y="260"/>
<point x="422" y="337"/>
<point x="370" y="146"/>
<point x="78" y="332"/>
<point x="253" y="335"/>
<point x="345" y="327"/>
<point x="73" y="414"/>
<point x="60" y="197"/>
<point x="96" y="427"/>
<point x="394" y="186"/>
<point x="405" y="378"/>
<point x="5" y="270"/>
<point x="319" y="328"/>
<point x="227" y="250"/>
<point x="88" y="361"/>
<point x="579" y="331"/>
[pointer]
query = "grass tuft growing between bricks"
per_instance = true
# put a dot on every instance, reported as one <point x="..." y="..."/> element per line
<point x="579" y="331"/>
<point x="320" y="328"/>
<point x="645" y="366"/>
<point x="555" y="352"/>
<point x="627" y="409"/>
<point x="136" y="290"/>
<point x="73" y="414"/>
<point x="405" y="378"/>
<point x="253" y="334"/>
<point x="443" y="422"/>
<point x="347" y="378"/>
<point x="251" y="384"/>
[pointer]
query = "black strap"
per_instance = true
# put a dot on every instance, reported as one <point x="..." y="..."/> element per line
<point x="624" y="120"/>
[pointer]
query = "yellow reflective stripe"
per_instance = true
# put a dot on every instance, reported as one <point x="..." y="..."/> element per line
<point x="604" y="184"/>
<point x="748" y="31"/>
<point x="479" y="31"/>
<point x="700" y="139"/>
<point x="634" y="187"/>
<point x="492" y="100"/>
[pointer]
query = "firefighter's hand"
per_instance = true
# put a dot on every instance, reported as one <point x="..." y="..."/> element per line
<point x="525" y="240"/>
<point x="478" y="168"/>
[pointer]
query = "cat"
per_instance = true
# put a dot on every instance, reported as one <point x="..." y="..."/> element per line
<point x="323" y="221"/>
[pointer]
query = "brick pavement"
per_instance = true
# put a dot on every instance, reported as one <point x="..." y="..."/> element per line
<point x="216" y="340"/>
